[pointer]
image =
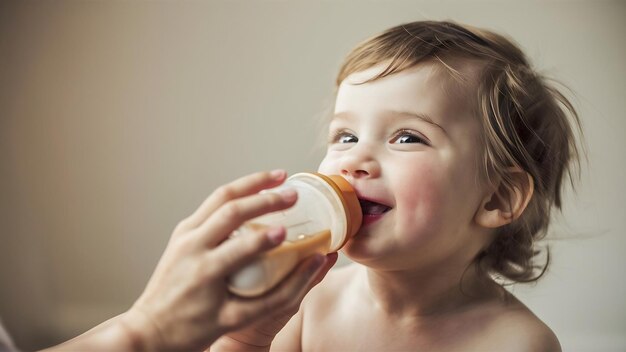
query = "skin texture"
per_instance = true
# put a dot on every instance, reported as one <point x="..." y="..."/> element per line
<point x="414" y="285"/>
<point x="186" y="305"/>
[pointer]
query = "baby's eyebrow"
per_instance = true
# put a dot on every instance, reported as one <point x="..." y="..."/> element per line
<point x="347" y="115"/>
<point x="344" y="115"/>
<point x="420" y="116"/>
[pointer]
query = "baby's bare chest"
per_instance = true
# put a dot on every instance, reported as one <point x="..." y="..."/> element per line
<point x="362" y="331"/>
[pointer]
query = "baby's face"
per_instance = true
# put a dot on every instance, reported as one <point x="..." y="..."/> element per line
<point x="409" y="145"/>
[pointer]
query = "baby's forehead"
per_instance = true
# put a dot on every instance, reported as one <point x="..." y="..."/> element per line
<point x="459" y="77"/>
<point x="453" y="82"/>
<point x="455" y="74"/>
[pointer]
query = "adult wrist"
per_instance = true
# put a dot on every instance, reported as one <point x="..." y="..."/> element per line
<point x="140" y="331"/>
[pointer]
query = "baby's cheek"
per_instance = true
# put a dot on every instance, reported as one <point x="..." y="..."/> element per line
<point x="422" y="206"/>
<point x="419" y="188"/>
<point x="328" y="167"/>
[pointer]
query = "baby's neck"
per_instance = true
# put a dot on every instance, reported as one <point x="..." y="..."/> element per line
<point x="429" y="293"/>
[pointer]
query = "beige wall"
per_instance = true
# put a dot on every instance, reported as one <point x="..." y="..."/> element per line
<point x="118" y="118"/>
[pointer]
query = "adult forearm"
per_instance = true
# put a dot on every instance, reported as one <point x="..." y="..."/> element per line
<point x="116" y="334"/>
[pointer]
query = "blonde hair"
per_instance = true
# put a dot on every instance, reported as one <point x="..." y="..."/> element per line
<point x="526" y="124"/>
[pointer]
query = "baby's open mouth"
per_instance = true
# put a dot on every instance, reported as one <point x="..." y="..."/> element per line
<point x="372" y="208"/>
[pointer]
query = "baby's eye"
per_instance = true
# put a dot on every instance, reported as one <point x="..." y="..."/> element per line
<point x="406" y="136"/>
<point x="344" y="137"/>
<point x="348" y="138"/>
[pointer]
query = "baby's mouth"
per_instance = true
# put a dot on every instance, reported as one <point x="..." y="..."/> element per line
<point x="370" y="208"/>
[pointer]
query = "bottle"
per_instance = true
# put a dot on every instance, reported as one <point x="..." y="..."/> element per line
<point x="326" y="215"/>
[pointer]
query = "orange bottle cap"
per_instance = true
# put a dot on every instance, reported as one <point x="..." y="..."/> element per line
<point x="354" y="214"/>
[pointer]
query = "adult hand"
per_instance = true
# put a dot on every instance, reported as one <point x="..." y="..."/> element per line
<point x="258" y="336"/>
<point x="186" y="305"/>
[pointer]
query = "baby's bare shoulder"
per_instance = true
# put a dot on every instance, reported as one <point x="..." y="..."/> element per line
<point x="514" y="327"/>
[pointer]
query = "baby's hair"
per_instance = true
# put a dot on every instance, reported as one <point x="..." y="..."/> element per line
<point x="526" y="123"/>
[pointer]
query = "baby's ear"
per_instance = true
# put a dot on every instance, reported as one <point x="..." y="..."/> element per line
<point x="506" y="203"/>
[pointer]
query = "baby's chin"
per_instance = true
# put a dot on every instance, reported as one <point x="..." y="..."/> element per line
<point x="375" y="262"/>
<point x="364" y="250"/>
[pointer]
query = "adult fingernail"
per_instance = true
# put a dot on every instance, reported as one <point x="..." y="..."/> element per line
<point x="276" y="235"/>
<point x="277" y="174"/>
<point x="288" y="194"/>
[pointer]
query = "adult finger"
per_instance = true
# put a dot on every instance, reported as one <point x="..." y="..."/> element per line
<point x="241" y="187"/>
<point x="241" y="249"/>
<point x="331" y="260"/>
<point x="231" y="215"/>
<point x="288" y="295"/>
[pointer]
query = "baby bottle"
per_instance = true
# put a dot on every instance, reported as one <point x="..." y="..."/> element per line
<point x="326" y="215"/>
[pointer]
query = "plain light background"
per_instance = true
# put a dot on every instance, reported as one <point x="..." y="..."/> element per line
<point x="118" y="118"/>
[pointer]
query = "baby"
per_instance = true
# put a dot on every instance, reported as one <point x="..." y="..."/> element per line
<point x="457" y="150"/>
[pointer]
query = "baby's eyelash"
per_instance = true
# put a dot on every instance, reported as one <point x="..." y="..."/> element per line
<point x="337" y="135"/>
<point x="411" y="133"/>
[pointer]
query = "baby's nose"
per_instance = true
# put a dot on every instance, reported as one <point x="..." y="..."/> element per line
<point x="355" y="173"/>
<point x="360" y="165"/>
